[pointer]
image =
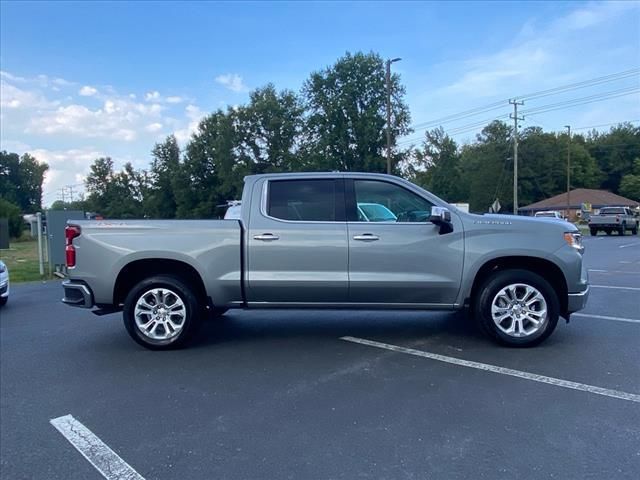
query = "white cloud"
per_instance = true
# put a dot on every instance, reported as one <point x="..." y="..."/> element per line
<point x="18" y="98"/>
<point x="195" y="115"/>
<point x="119" y="118"/>
<point x="174" y="99"/>
<point x="155" y="95"/>
<point x="66" y="167"/>
<point x="232" y="81"/>
<point x="87" y="91"/>
<point x="153" y="127"/>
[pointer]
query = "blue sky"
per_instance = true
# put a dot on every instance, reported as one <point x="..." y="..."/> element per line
<point x="85" y="79"/>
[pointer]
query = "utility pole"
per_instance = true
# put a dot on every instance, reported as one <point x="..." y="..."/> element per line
<point x="62" y="193"/>
<point x="515" y="118"/>
<point x="388" y="85"/>
<point x="568" y="127"/>
<point x="70" y="188"/>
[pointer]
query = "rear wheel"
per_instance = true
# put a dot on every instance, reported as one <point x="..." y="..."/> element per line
<point x="594" y="231"/>
<point x="634" y="230"/>
<point x="161" y="312"/>
<point x="621" y="230"/>
<point x="608" y="231"/>
<point x="517" y="308"/>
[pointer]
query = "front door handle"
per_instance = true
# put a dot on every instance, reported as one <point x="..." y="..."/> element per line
<point x="366" y="237"/>
<point x="266" y="237"/>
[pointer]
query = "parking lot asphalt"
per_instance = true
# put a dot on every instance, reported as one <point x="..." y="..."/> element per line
<point x="279" y="394"/>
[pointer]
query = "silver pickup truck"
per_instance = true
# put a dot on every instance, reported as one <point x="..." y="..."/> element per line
<point x="613" y="219"/>
<point x="329" y="240"/>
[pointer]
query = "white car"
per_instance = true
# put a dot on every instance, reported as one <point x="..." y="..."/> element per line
<point x="4" y="283"/>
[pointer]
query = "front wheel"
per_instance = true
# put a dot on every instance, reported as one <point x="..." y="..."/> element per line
<point x="517" y="308"/>
<point x="3" y="301"/>
<point x="161" y="312"/>
<point x="594" y="231"/>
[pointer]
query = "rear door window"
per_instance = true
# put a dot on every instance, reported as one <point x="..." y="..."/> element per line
<point x="316" y="200"/>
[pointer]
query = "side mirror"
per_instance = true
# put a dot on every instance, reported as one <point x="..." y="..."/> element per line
<point x="441" y="217"/>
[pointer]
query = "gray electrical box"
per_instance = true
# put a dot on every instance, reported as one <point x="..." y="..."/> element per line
<point x="56" y="221"/>
<point x="4" y="233"/>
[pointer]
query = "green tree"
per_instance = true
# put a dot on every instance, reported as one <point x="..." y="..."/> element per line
<point x="437" y="166"/>
<point x="160" y="199"/>
<point x="21" y="180"/>
<point x="630" y="183"/>
<point x="11" y="212"/>
<point x="211" y="172"/>
<point x="486" y="167"/>
<point x="269" y="129"/>
<point x="615" y="152"/>
<point x="346" y="115"/>
<point x="115" y="194"/>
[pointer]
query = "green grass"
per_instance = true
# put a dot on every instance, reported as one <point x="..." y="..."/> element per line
<point x="22" y="261"/>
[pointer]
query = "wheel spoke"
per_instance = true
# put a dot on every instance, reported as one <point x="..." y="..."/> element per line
<point x="142" y="303"/>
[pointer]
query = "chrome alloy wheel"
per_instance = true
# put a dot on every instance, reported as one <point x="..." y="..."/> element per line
<point x="160" y="314"/>
<point x="519" y="310"/>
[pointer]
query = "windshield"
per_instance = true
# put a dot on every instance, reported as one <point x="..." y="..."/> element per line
<point x="612" y="211"/>
<point x="545" y="214"/>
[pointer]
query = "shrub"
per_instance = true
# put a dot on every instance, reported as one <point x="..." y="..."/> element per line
<point x="12" y="212"/>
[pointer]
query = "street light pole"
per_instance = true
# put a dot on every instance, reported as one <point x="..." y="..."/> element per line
<point x="568" y="127"/>
<point x="388" y="84"/>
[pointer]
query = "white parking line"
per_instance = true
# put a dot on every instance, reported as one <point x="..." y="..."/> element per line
<point x="627" y="272"/>
<point x="605" y="317"/>
<point x="616" y="288"/>
<point x="558" y="382"/>
<point x="629" y="245"/>
<point x="105" y="460"/>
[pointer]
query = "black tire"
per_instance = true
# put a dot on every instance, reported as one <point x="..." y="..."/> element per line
<point x="489" y="291"/>
<point x="3" y="301"/>
<point x="608" y="231"/>
<point x="175" y="287"/>
<point x="634" y="230"/>
<point x="594" y="231"/>
<point x="621" y="230"/>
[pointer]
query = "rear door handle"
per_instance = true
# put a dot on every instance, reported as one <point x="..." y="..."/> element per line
<point x="366" y="237"/>
<point x="266" y="237"/>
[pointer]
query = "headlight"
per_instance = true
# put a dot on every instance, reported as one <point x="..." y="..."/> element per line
<point x="3" y="267"/>
<point x="574" y="240"/>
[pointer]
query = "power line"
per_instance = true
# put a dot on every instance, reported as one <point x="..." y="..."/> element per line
<point x="597" y="97"/>
<point x="544" y="109"/>
<point x="542" y="93"/>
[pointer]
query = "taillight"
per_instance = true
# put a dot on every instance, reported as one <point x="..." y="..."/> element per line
<point x="71" y="232"/>
<point x="617" y="218"/>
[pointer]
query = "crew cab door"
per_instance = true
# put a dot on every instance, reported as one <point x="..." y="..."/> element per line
<point x="396" y="256"/>
<point x="297" y="242"/>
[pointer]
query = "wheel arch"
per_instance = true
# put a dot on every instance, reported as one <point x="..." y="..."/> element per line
<point x="540" y="266"/>
<point x="137" y="270"/>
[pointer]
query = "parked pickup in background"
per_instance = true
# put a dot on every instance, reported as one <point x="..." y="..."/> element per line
<point x="613" y="219"/>
<point x="329" y="240"/>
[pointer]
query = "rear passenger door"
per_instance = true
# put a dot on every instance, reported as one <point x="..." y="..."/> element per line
<point x="297" y="242"/>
